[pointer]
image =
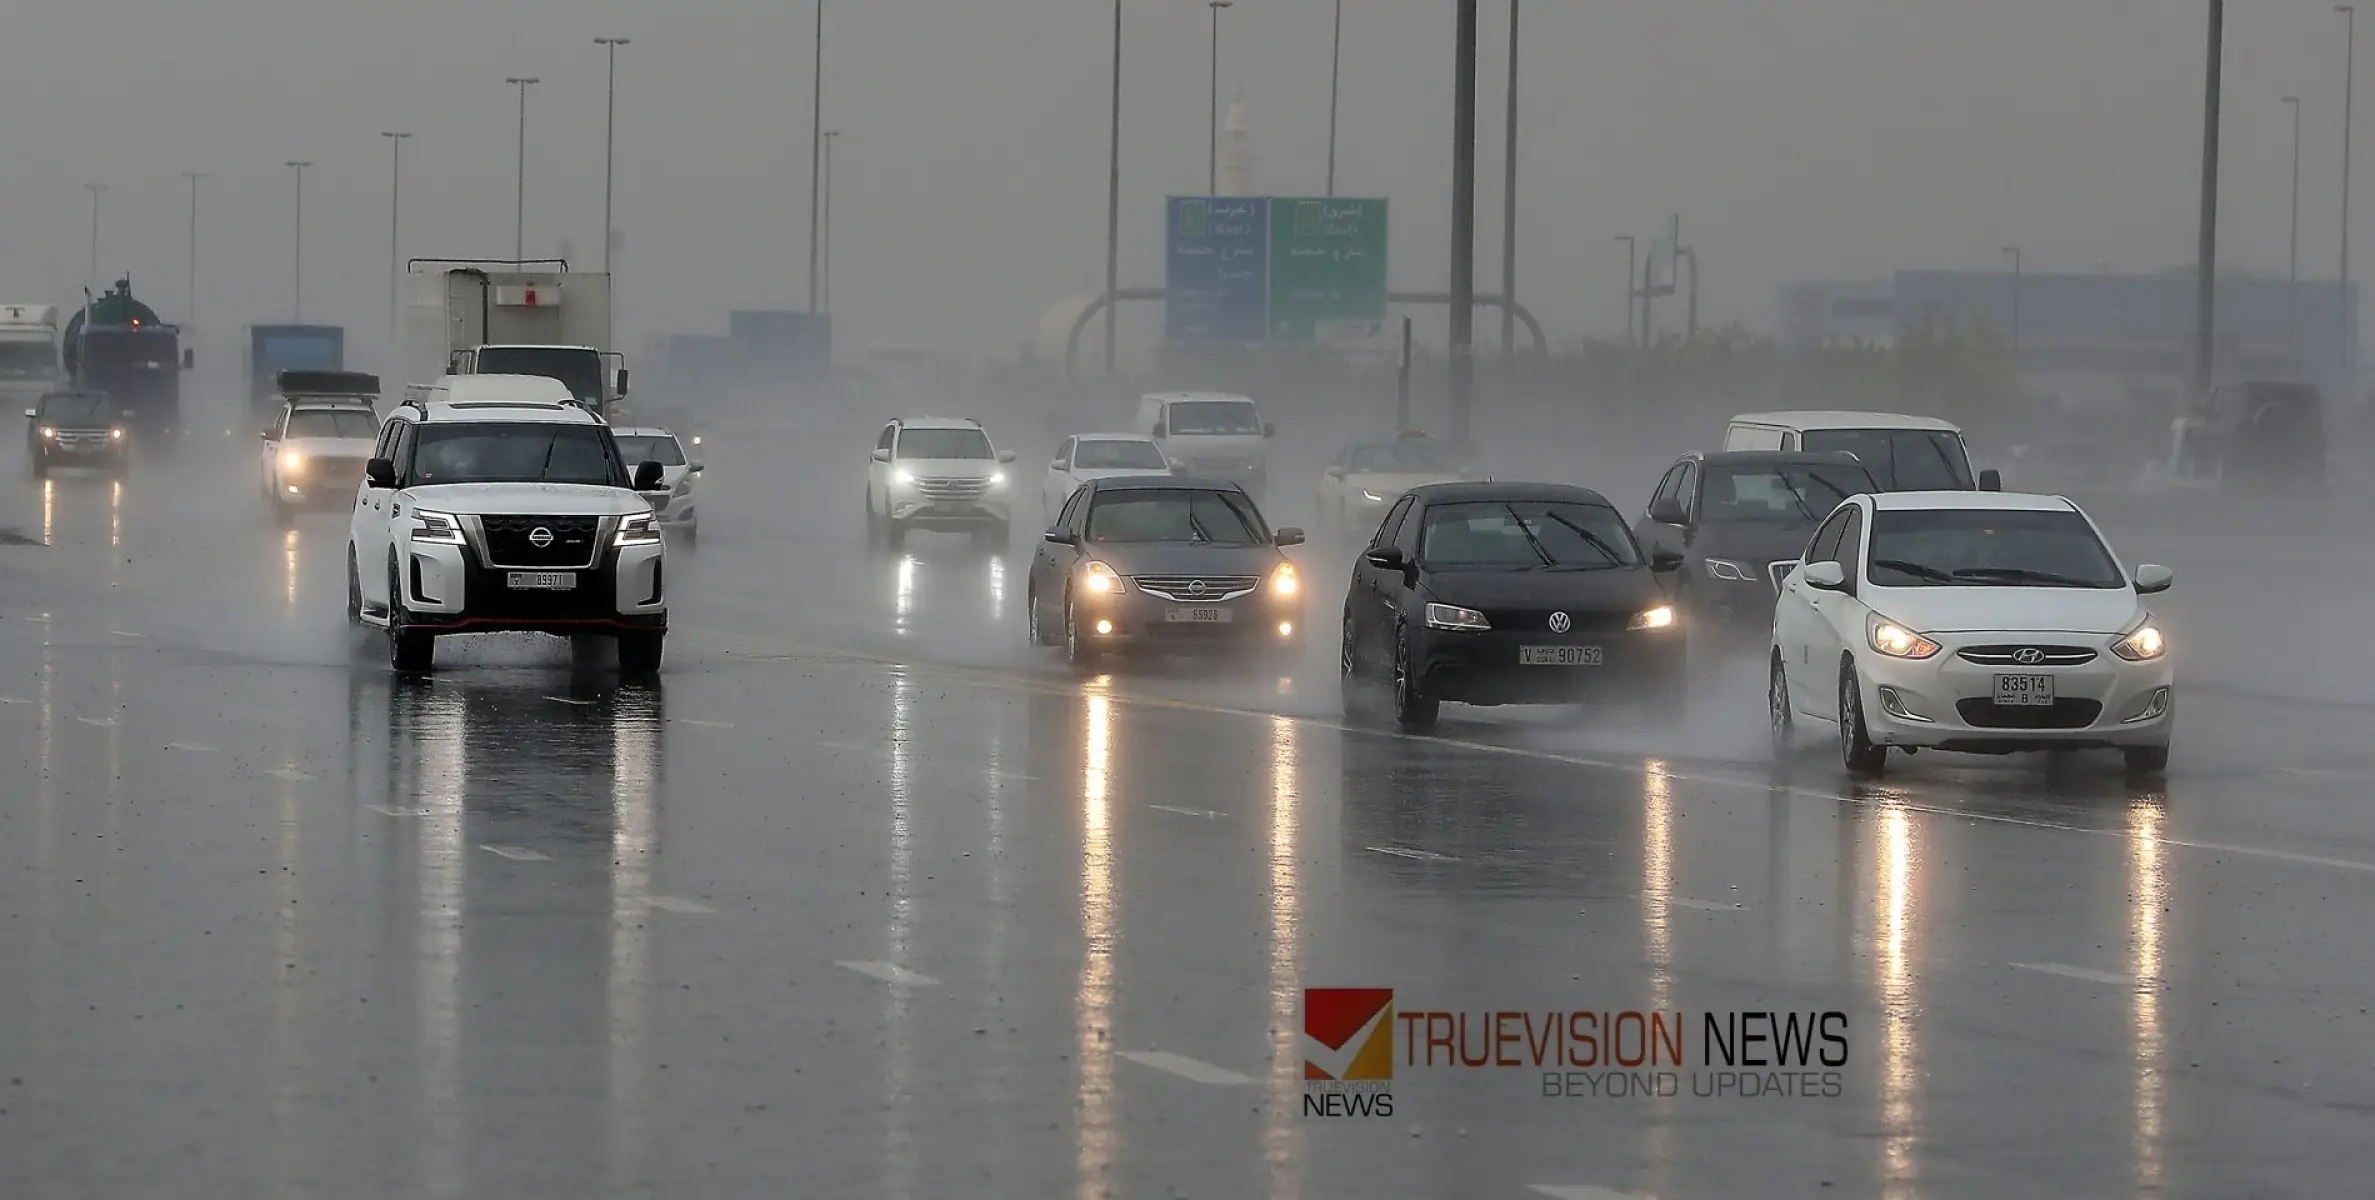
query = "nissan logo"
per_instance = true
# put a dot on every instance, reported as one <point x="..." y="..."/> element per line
<point x="1195" y="587"/>
<point x="2028" y="656"/>
<point x="540" y="537"/>
<point x="1559" y="623"/>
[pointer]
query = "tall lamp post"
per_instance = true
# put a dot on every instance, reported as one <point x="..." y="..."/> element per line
<point x="1212" y="123"/>
<point x="2292" y="261"/>
<point x="816" y="153"/>
<point x="519" y="209"/>
<point x="94" y="189"/>
<point x="1631" y="255"/>
<point x="610" y="169"/>
<point x="395" y="234"/>
<point x="297" y="257"/>
<point x="2206" y="268"/>
<point x="1509" y="211"/>
<point x="1463" y="222"/>
<point x="1335" y="77"/>
<point x="2349" y="92"/>
<point x="827" y="268"/>
<point x="190" y="306"/>
<point x="2014" y="252"/>
<point x="1113" y="195"/>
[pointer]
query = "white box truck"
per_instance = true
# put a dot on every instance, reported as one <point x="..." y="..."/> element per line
<point x="29" y="362"/>
<point x="471" y="317"/>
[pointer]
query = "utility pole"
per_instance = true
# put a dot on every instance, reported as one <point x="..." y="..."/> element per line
<point x="1509" y="212"/>
<point x="297" y="258"/>
<point x="519" y="212"/>
<point x="2292" y="262"/>
<point x="190" y="308"/>
<point x="1631" y="254"/>
<point x="816" y="153"/>
<point x="1335" y="79"/>
<point x="2206" y="268"/>
<point x="2014" y="251"/>
<point x="2349" y="93"/>
<point x="1463" y="223"/>
<point x="94" y="189"/>
<point x="1212" y="157"/>
<point x="1113" y="197"/>
<point x="830" y="134"/>
<point x="395" y="236"/>
<point x="610" y="177"/>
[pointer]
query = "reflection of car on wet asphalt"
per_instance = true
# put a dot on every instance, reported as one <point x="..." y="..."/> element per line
<point x="1509" y="593"/>
<point x="1162" y="565"/>
<point x="1740" y="519"/>
<point x="1984" y="622"/>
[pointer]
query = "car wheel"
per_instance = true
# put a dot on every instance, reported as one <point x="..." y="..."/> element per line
<point x="354" y="589"/>
<point x="1856" y="751"/>
<point x="1778" y="711"/>
<point x="1081" y="655"/>
<point x="1412" y="709"/>
<point x="692" y="533"/>
<point x="1353" y="690"/>
<point x="410" y="651"/>
<point x="2146" y="760"/>
<point x="639" y="653"/>
<point x="1036" y="628"/>
<point x="873" y="522"/>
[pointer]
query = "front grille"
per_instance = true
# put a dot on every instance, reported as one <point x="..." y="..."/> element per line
<point x="2019" y="656"/>
<point x="1184" y="587"/>
<point x="1537" y="621"/>
<point x="1780" y="571"/>
<point x="83" y="441"/>
<point x="511" y="541"/>
<point x="942" y="490"/>
<point x="1981" y="712"/>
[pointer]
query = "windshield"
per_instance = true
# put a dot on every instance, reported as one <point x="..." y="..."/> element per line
<point x="943" y="443"/>
<point x="1988" y="548"/>
<point x="1197" y="517"/>
<point x="332" y="423"/>
<point x="1397" y="458"/>
<point x="1511" y="535"/>
<point x="1900" y="460"/>
<point x="493" y="452"/>
<point x="1118" y="456"/>
<point x="78" y="409"/>
<point x="1787" y="494"/>
<point x="124" y="349"/>
<point x="1233" y="417"/>
<point x="642" y="448"/>
<point x="579" y="369"/>
<point x="28" y="360"/>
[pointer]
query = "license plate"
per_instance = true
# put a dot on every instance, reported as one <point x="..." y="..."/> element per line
<point x="1558" y="656"/>
<point x="1198" y="616"/>
<point x="2024" y="691"/>
<point x="541" y="581"/>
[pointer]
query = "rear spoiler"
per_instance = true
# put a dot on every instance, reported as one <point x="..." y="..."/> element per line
<point x="326" y="383"/>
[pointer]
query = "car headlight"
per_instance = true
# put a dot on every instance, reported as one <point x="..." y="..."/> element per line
<point x="696" y="439"/>
<point x="902" y="475"/>
<point x="997" y="479"/>
<point x="1283" y="581"/>
<point x="435" y="528"/>
<point x="49" y="431"/>
<point x="1661" y="617"/>
<point x="290" y="460"/>
<point x="1101" y="579"/>
<point x="1896" y="641"/>
<point x="1452" y="616"/>
<point x="2143" y="644"/>
<point x="116" y="434"/>
<point x="637" y="529"/>
<point x="1724" y="568"/>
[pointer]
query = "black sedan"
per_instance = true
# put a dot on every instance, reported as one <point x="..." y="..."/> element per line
<point x="1509" y="593"/>
<point x="1740" y="520"/>
<point x="75" y="429"/>
<point x="1157" y="564"/>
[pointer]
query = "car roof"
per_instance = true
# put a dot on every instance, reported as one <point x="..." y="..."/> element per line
<point x="1844" y="419"/>
<point x="1768" y="458"/>
<point x="642" y="431"/>
<point x="1489" y="489"/>
<point x="1197" y="396"/>
<point x="1163" y="483"/>
<point x="1973" y="501"/>
<point x="937" y="423"/>
<point x="1113" y="437"/>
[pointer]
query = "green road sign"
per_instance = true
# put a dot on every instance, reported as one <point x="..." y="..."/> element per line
<point x="1327" y="268"/>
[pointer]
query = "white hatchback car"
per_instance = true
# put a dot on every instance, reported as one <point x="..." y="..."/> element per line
<point x="1976" y="621"/>
<point x="1097" y="456"/>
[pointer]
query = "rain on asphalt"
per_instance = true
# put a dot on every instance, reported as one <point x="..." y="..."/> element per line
<point x="864" y="897"/>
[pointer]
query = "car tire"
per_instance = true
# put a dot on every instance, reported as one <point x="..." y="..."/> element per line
<point x="1780" y="713"/>
<point x="1856" y="751"/>
<point x="354" y="589"/>
<point x="410" y="651"/>
<point x="2146" y="760"/>
<point x="1352" y="689"/>
<point x="1035" y="628"/>
<point x="692" y="533"/>
<point x="1079" y="654"/>
<point x="1413" y="709"/>
<point x="639" y="653"/>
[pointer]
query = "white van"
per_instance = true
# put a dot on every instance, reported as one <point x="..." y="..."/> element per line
<point x="1904" y="453"/>
<point x="1213" y="435"/>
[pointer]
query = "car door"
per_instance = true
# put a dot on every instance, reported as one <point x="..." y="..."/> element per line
<point x="369" y="528"/>
<point x="1394" y="587"/>
<point x="1367" y="601"/>
<point x="1798" y="609"/>
<point x="1056" y="487"/>
<point x="878" y="472"/>
<point x="1050" y="561"/>
<point x="1841" y="627"/>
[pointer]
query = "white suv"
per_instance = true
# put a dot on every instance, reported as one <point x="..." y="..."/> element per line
<point x="937" y="473"/>
<point x="494" y="503"/>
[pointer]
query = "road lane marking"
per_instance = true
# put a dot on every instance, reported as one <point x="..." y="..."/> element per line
<point x="1701" y="905"/>
<point x="516" y="853"/>
<point x="891" y="973"/>
<point x="702" y="724"/>
<point x="1407" y="852"/>
<point x="101" y="721"/>
<point x="1205" y="814"/>
<point x="14" y="700"/>
<point x="126" y="633"/>
<point x="1017" y="776"/>
<point x="198" y="747"/>
<point x="1187" y="1068"/>
<point x="678" y="904"/>
<point x="567" y="700"/>
<point x="1582" y="1191"/>
<point x="2088" y="974"/>
<point x="292" y="774"/>
<point x="388" y="811"/>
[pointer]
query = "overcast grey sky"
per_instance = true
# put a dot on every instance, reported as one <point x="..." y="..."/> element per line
<point x="1814" y="138"/>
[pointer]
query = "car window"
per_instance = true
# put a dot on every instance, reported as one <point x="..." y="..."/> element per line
<point x="1524" y="534"/>
<point x="1824" y="546"/>
<point x="1213" y="417"/>
<point x="942" y="444"/>
<point x="1191" y="516"/>
<point x="1064" y="455"/>
<point x="643" y="448"/>
<point x="400" y="449"/>
<point x="59" y="406"/>
<point x="1386" y="529"/>
<point x="888" y="432"/>
<point x="514" y="452"/>
<point x="331" y="423"/>
<point x="1686" y="490"/>
<point x="1070" y="516"/>
<point x="1900" y="460"/>
<point x="1118" y="456"/>
<point x="1851" y="544"/>
<point x="386" y="448"/>
<point x="1786" y="493"/>
<point x="1989" y="548"/>
<point x="1669" y="486"/>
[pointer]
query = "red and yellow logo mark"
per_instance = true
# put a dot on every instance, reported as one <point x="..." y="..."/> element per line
<point x="1348" y="1033"/>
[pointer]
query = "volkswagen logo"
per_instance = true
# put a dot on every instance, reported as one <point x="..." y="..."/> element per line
<point x="1195" y="587"/>
<point x="1559" y="623"/>
<point x="540" y="537"/>
<point x="2028" y="656"/>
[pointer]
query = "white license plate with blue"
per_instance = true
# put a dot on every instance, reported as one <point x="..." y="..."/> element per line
<point x="1558" y="656"/>
<point x="1198" y="616"/>
<point x="2024" y="691"/>
<point x="541" y="581"/>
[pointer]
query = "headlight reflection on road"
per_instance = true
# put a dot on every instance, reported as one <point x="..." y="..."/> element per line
<point x="1096" y="1110"/>
<point x="441" y="782"/>
<point x="997" y="584"/>
<point x="1657" y="939"/>
<point x="900" y="1157"/>
<point x="1281" y="1128"/>
<point x="49" y="510"/>
<point x="903" y="595"/>
<point x="115" y="513"/>
<point x="288" y="566"/>
<point x="635" y="733"/>
<point x="1894" y="935"/>
<point x="2148" y="887"/>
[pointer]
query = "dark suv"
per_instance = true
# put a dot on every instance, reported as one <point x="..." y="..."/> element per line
<point x="75" y="429"/>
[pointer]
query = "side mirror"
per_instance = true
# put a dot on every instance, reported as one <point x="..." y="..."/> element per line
<point x="1006" y="456"/>
<point x="698" y="467"/>
<point x="1335" y="472"/>
<point x="271" y="435"/>
<point x="1388" y="557"/>
<point x="649" y="476"/>
<point x="622" y="381"/>
<point x="2152" y="578"/>
<point x="1269" y="430"/>
<point x="31" y="413"/>
<point x="1160" y="430"/>
<point x="1056" y="465"/>
<point x="1668" y="511"/>
<point x="1991" y="480"/>
<point x="1826" y="576"/>
<point x="1665" y="561"/>
<point x="189" y="359"/>
<point x="1288" y="535"/>
<point x="1061" y="536"/>
<point x="881" y="455"/>
<point x="379" y="473"/>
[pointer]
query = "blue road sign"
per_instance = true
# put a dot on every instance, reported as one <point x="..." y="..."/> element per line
<point x="1217" y="278"/>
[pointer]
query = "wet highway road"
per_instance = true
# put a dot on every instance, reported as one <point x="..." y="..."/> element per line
<point x="864" y="898"/>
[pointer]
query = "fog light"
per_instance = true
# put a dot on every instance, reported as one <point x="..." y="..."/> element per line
<point x="1895" y="706"/>
<point x="2154" y="705"/>
<point x="1105" y="627"/>
<point x="1286" y="629"/>
<point x="292" y="491"/>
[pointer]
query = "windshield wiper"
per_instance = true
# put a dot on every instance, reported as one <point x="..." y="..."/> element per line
<point x="2024" y="575"/>
<point x="1606" y="551"/>
<point x="1540" y="551"/>
<point x="1917" y="570"/>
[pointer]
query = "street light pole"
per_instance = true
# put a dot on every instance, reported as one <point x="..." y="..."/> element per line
<point x="2292" y="262"/>
<point x="1212" y="125"/>
<point x="519" y="211"/>
<point x="1335" y="78"/>
<point x="190" y="308"/>
<point x="1509" y="211"/>
<point x="297" y="258"/>
<point x="94" y="189"/>
<point x="395" y="233"/>
<point x="2014" y="251"/>
<point x="2206" y="268"/>
<point x="1113" y="195"/>
<point x="1631" y="248"/>
<point x="816" y="152"/>
<point x="830" y="134"/>
<point x="610" y="175"/>
<point x="2349" y="92"/>
<point x="1463" y="222"/>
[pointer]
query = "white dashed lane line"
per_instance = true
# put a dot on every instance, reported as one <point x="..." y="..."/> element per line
<point x="890" y="973"/>
<point x="678" y="904"/>
<point x="2086" y="974"/>
<point x="1407" y="852"/>
<point x="517" y="853"/>
<point x="1187" y="1068"/>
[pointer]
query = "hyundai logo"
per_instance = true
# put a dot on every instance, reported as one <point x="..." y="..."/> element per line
<point x="1195" y="587"/>
<point x="540" y="537"/>
<point x="2028" y="656"/>
<point x="1559" y="623"/>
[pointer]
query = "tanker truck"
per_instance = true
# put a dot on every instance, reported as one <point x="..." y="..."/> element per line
<point x="479" y="317"/>
<point x="119" y="346"/>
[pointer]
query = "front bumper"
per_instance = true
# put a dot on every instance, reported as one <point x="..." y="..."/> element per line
<point x="450" y="589"/>
<point x="1947" y="702"/>
<point x="77" y="447"/>
<point x="1481" y="666"/>
<point x="1135" y="620"/>
<point x="321" y="482"/>
<point x="921" y="512"/>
